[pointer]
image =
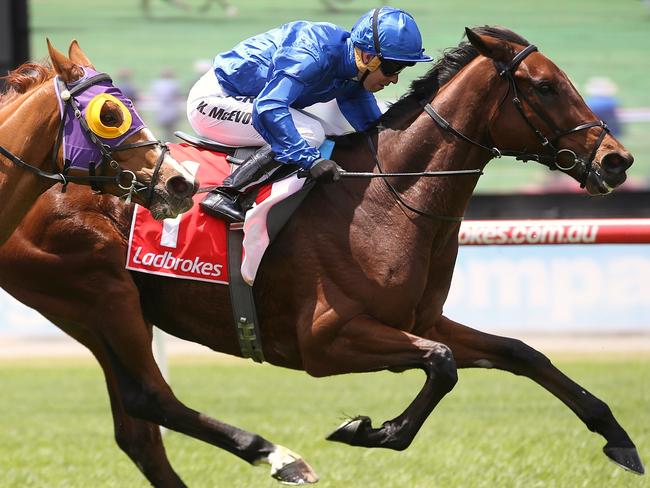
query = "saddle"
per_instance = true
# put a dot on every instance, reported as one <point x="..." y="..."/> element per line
<point x="237" y="155"/>
<point x="232" y="267"/>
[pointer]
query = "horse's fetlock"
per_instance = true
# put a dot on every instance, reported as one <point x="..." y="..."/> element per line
<point x="443" y="365"/>
<point x="598" y="415"/>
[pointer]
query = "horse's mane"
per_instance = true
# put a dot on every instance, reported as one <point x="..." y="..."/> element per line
<point x="25" y="77"/>
<point x="452" y="61"/>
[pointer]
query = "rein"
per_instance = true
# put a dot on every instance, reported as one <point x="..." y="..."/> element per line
<point x="381" y="174"/>
<point x="124" y="179"/>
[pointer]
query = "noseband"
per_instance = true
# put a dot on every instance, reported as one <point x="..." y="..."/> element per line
<point x="507" y="70"/>
<point x="124" y="179"/>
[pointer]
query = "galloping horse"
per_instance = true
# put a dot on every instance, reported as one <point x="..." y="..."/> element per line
<point x="49" y="134"/>
<point x="355" y="282"/>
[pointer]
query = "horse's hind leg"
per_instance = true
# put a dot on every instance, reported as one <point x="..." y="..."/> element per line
<point x="364" y="344"/>
<point x="473" y="349"/>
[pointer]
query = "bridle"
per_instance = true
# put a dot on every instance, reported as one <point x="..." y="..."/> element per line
<point x="124" y="179"/>
<point x="507" y="70"/>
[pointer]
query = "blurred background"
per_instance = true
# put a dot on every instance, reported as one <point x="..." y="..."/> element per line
<point x="587" y="307"/>
<point x="156" y="49"/>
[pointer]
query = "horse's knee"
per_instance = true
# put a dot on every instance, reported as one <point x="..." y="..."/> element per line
<point x="146" y="402"/>
<point x="441" y="361"/>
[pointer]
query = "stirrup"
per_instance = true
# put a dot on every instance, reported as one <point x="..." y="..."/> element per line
<point x="223" y="206"/>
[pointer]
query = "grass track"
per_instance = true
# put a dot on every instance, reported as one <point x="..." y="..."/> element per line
<point x="493" y="430"/>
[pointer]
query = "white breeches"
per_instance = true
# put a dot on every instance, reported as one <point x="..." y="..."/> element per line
<point x="222" y="118"/>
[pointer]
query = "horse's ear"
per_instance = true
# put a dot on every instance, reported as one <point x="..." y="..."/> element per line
<point x="78" y="56"/>
<point x="64" y="67"/>
<point x="490" y="47"/>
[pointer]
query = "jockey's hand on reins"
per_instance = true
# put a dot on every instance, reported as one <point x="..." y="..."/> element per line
<point x="324" y="170"/>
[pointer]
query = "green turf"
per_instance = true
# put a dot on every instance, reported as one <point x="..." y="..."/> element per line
<point x="493" y="430"/>
<point x="585" y="38"/>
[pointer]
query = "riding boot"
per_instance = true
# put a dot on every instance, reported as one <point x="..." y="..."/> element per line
<point x="223" y="202"/>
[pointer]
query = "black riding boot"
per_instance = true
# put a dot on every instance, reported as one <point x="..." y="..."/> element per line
<point x="223" y="201"/>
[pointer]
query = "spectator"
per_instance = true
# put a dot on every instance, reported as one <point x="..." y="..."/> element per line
<point x="146" y="8"/>
<point x="601" y="99"/>
<point x="229" y="9"/>
<point x="124" y="82"/>
<point x="167" y="102"/>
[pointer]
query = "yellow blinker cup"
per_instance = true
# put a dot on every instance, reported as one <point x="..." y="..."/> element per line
<point x="93" y="117"/>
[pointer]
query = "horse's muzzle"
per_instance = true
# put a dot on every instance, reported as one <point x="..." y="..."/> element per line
<point x="180" y="187"/>
<point x="616" y="162"/>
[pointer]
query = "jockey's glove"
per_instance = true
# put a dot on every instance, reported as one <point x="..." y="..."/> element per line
<point x="326" y="171"/>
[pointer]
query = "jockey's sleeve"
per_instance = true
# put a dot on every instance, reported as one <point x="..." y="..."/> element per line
<point x="360" y="109"/>
<point x="271" y="118"/>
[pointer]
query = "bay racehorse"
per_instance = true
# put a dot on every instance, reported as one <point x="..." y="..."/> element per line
<point x="44" y="142"/>
<point x="357" y="279"/>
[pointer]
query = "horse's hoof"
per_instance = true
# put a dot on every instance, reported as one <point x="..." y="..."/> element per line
<point x="296" y="473"/>
<point x="348" y="430"/>
<point x="626" y="457"/>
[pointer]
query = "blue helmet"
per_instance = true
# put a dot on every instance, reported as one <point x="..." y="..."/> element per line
<point x="389" y="33"/>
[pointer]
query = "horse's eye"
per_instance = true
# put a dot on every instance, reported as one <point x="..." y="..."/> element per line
<point x="545" y="89"/>
<point x="110" y="115"/>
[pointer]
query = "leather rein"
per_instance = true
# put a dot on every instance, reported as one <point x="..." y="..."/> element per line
<point x="124" y="179"/>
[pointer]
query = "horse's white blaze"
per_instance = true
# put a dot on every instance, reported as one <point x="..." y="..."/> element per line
<point x="483" y="363"/>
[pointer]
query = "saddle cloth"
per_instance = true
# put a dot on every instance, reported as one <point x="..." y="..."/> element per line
<point x="193" y="245"/>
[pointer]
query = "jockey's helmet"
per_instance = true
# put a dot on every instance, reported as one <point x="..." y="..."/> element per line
<point x="391" y="34"/>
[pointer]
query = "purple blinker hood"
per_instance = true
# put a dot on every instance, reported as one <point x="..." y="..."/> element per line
<point x="78" y="150"/>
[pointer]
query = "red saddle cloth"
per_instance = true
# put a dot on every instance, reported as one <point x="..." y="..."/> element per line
<point x="193" y="245"/>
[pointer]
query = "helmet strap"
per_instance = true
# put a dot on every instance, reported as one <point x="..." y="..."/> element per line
<point x="375" y="31"/>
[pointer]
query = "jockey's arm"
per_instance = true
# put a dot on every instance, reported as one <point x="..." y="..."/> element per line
<point x="271" y="118"/>
<point x="360" y="108"/>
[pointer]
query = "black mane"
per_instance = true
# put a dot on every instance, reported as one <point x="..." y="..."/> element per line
<point x="451" y="62"/>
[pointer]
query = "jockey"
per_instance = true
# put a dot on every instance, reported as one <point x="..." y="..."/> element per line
<point x="259" y="94"/>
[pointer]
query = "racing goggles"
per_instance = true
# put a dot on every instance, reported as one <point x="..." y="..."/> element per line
<point x="392" y="68"/>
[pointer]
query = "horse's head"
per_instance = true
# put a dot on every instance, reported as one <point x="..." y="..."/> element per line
<point x="103" y="135"/>
<point x="542" y="117"/>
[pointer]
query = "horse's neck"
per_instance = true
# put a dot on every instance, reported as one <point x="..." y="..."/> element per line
<point x="28" y="125"/>
<point x="467" y="104"/>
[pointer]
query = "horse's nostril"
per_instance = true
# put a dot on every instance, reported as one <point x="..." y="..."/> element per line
<point x="180" y="186"/>
<point x="617" y="162"/>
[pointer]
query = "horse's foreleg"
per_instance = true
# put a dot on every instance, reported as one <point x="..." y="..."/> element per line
<point x="473" y="349"/>
<point x="139" y="439"/>
<point x="365" y="344"/>
<point x="146" y="396"/>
